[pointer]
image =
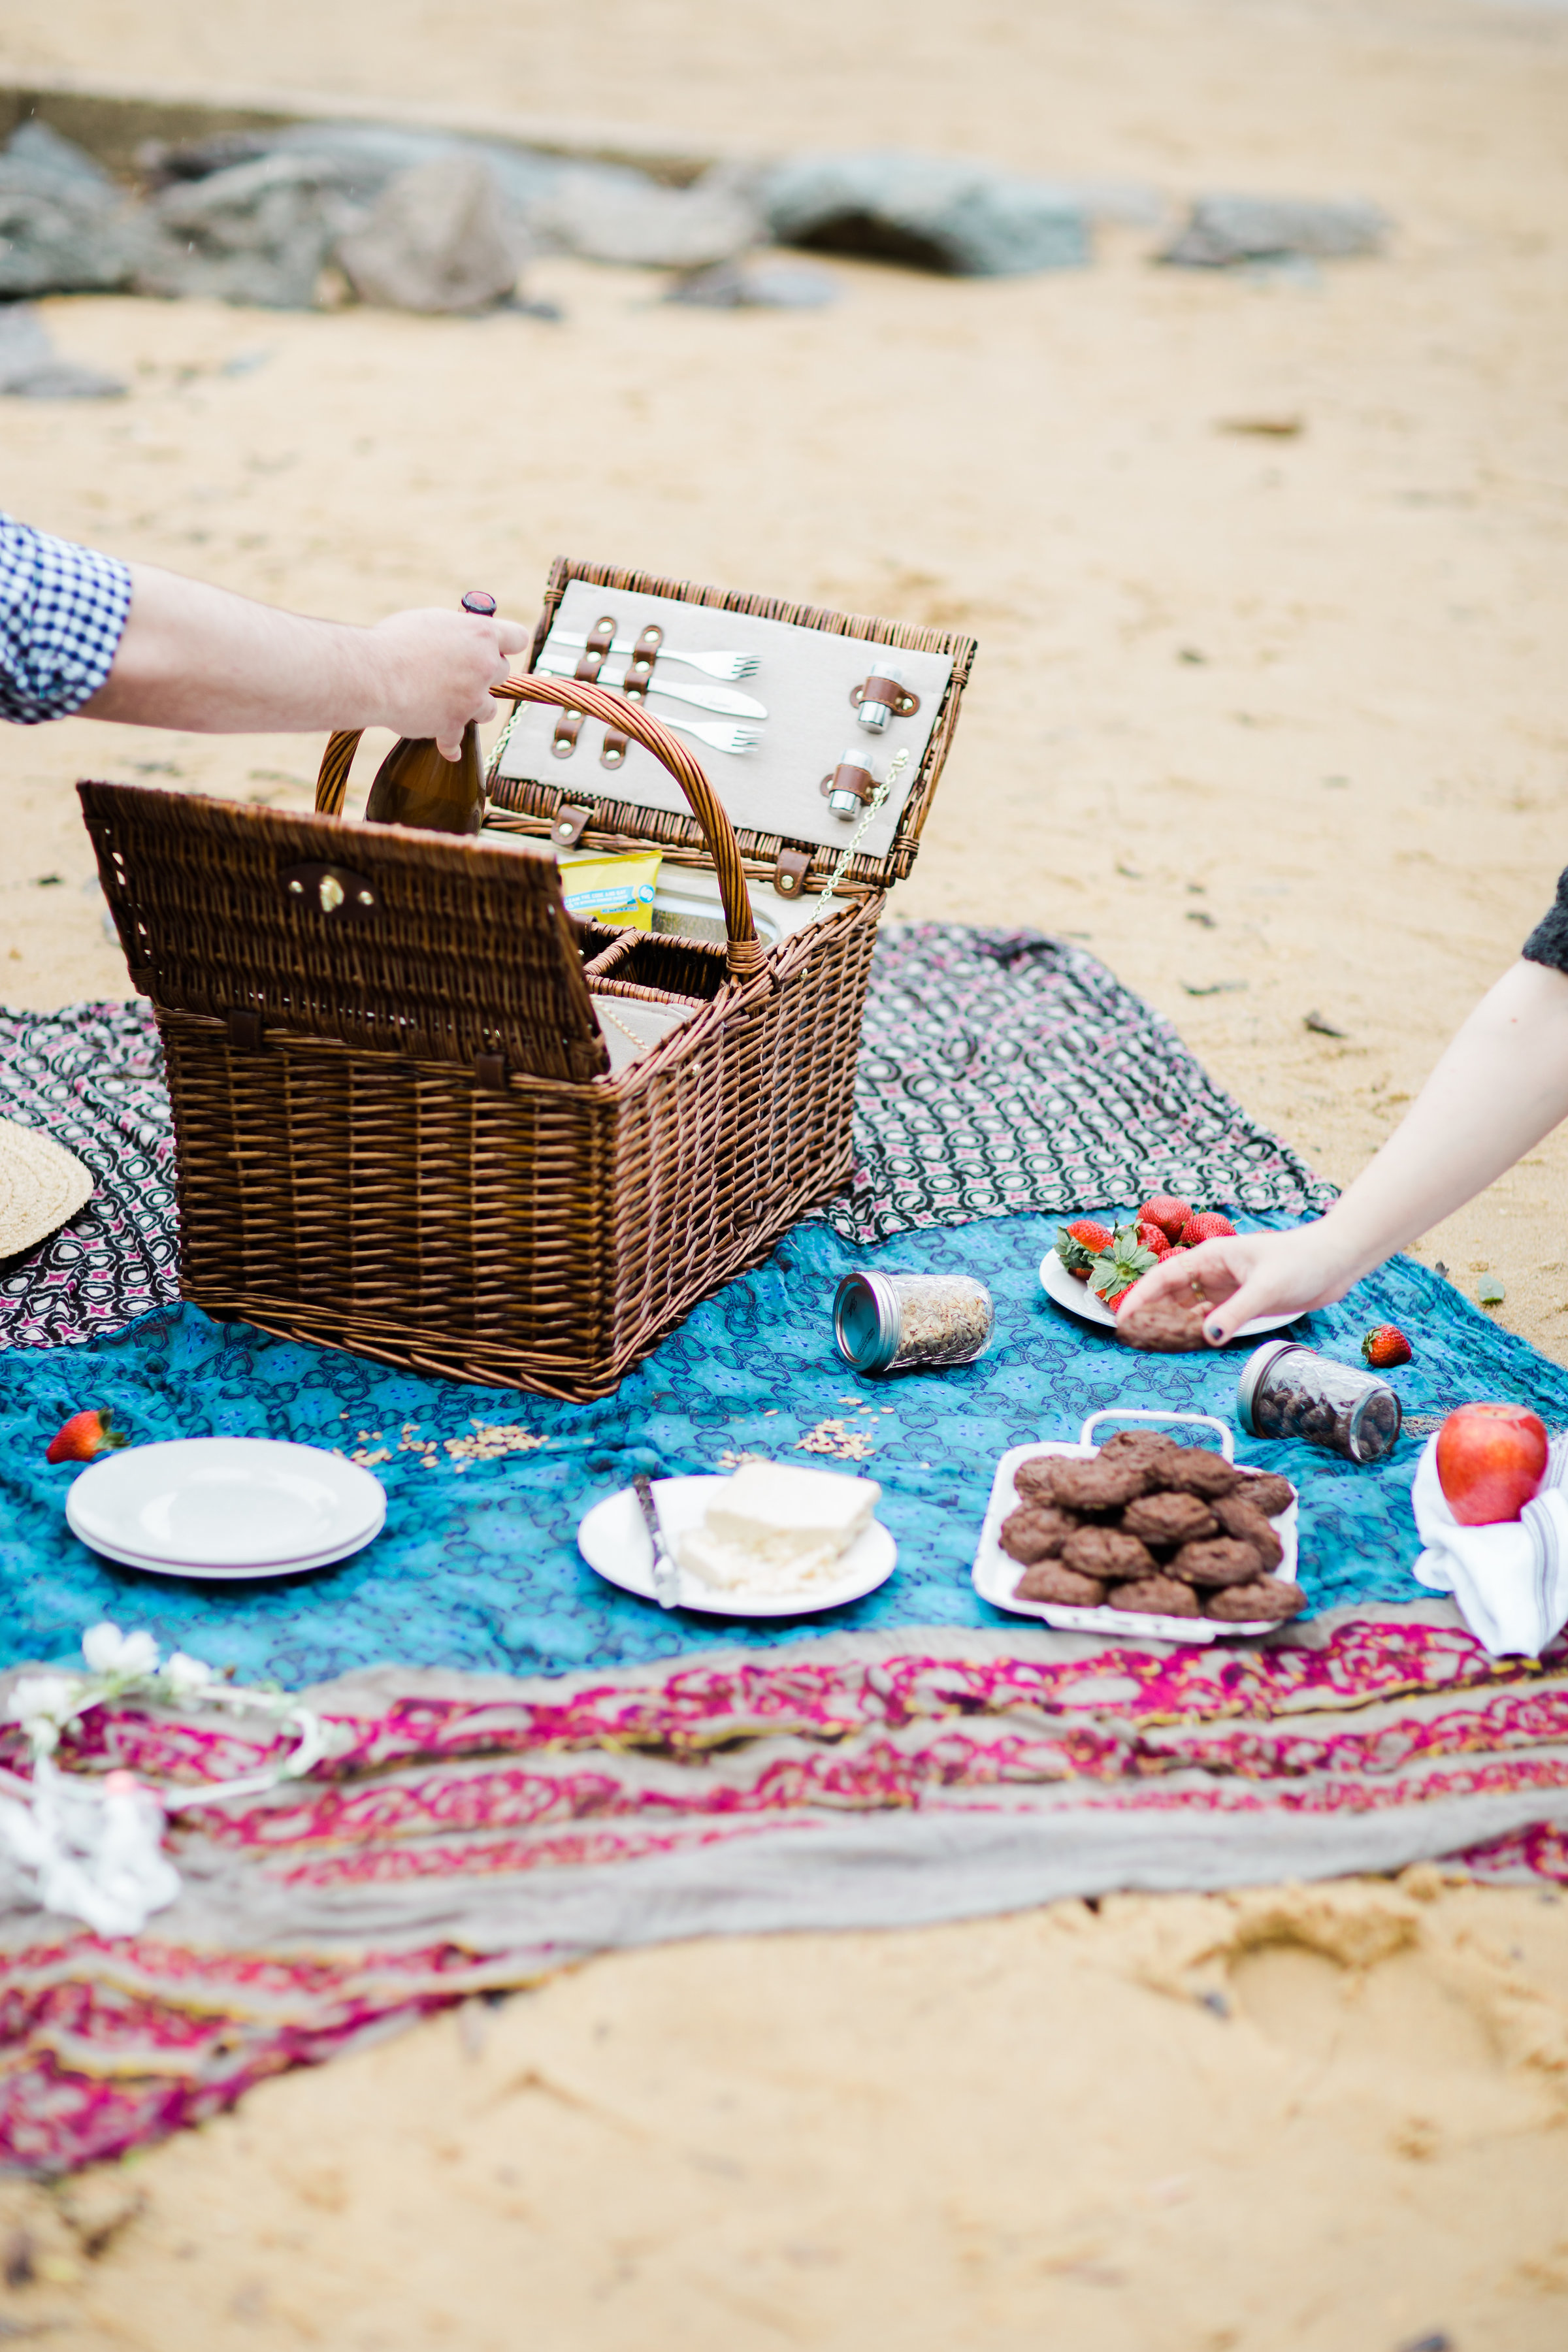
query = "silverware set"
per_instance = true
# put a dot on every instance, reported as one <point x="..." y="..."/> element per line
<point x="727" y="667"/>
<point x="736" y="740"/>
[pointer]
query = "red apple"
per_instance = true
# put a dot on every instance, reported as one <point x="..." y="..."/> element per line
<point x="1491" y="1458"/>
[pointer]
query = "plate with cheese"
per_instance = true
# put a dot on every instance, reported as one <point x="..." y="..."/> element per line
<point x="768" y="1540"/>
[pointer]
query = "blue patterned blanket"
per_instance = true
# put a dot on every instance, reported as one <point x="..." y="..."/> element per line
<point x="479" y="1568"/>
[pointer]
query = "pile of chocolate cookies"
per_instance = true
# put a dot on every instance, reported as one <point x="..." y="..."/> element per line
<point x="1171" y="1530"/>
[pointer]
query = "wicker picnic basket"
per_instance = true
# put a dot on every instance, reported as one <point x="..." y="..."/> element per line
<point x="396" y="1125"/>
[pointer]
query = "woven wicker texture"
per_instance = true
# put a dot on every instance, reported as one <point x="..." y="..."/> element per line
<point x="463" y="950"/>
<point x="394" y="1134"/>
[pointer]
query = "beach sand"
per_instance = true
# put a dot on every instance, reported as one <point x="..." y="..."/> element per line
<point x="1280" y="714"/>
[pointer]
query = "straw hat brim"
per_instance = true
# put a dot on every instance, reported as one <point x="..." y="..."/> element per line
<point x="42" y="1186"/>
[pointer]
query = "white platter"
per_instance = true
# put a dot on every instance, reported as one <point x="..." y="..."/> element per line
<point x="614" y="1541"/>
<point x="226" y="1507"/>
<point x="995" y="1575"/>
<point x="1080" y="1300"/>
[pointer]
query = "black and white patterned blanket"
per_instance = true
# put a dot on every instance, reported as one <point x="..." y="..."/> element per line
<point x="999" y="1071"/>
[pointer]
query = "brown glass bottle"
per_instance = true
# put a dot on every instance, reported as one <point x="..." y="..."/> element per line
<point x="415" y="785"/>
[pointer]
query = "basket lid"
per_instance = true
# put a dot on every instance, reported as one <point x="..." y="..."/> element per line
<point x="798" y="715"/>
<point x="420" y="943"/>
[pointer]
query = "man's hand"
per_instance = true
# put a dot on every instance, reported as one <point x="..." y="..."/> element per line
<point x="439" y="669"/>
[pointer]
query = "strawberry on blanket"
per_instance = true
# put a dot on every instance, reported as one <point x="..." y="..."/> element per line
<point x="83" y="1436"/>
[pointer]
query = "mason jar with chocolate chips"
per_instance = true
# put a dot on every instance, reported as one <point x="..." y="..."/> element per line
<point x="1288" y="1390"/>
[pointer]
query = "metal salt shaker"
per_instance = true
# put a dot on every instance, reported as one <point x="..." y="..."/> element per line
<point x="907" y="1322"/>
<point x="1289" y="1391"/>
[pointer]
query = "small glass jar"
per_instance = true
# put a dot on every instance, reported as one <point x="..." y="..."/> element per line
<point x="1288" y="1390"/>
<point x="910" y="1322"/>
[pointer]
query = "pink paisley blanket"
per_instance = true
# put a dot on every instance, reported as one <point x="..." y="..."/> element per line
<point x="474" y="1831"/>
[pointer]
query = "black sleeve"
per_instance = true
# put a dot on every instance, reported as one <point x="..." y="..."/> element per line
<point x="1548" y="942"/>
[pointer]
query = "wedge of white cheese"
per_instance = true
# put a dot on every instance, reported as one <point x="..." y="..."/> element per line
<point x="774" y="1529"/>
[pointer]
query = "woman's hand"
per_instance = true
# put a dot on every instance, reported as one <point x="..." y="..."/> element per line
<point x="1239" y="1276"/>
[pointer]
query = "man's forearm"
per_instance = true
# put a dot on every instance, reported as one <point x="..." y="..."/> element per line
<point x="196" y="657"/>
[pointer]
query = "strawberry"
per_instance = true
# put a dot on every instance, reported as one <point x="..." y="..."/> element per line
<point x="1166" y="1211"/>
<point x="1154" y="1237"/>
<point x="1207" y="1227"/>
<point x="83" y="1435"/>
<point x="1119" y="1267"/>
<point x="1385" y="1345"/>
<point x="1079" y="1243"/>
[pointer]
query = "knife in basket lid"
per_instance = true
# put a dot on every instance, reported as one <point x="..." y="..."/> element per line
<point x="665" y="1575"/>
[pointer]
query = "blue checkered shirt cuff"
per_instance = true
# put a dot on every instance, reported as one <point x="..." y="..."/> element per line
<point x="62" y="612"/>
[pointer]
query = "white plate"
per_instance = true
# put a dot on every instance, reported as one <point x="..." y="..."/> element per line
<point x="1080" y="1300"/>
<point x="614" y="1541"/>
<point x="995" y="1575"/>
<point x="226" y="1507"/>
<point x="243" y="1575"/>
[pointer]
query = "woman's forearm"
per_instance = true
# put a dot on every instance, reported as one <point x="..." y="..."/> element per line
<point x="1502" y="1085"/>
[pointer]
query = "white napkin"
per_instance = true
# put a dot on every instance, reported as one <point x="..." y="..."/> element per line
<point x="1510" y="1579"/>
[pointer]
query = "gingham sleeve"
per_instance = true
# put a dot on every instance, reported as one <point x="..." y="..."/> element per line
<point x="62" y="612"/>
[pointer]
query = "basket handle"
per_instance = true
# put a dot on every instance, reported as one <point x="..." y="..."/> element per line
<point x="747" y="954"/>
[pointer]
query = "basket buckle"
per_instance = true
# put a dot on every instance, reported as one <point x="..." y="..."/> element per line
<point x="335" y="890"/>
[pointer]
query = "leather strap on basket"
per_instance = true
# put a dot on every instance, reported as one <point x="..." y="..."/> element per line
<point x="746" y="953"/>
<point x="634" y="686"/>
<point x="589" y="662"/>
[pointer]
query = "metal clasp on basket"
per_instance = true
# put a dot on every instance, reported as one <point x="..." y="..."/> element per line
<point x="850" y="785"/>
<point x="883" y="696"/>
<point x="335" y="890"/>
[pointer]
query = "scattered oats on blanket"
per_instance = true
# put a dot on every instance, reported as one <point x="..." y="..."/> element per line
<point x="490" y="1441"/>
<point x="837" y="1439"/>
<point x="730" y="1460"/>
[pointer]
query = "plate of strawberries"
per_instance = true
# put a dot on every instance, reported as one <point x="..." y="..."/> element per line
<point x="1096" y="1262"/>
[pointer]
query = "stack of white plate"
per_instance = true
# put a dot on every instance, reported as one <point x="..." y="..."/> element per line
<point x="226" y="1507"/>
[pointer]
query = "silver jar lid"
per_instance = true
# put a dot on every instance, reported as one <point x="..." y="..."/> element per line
<point x="866" y="1321"/>
<point x="1255" y="1369"/>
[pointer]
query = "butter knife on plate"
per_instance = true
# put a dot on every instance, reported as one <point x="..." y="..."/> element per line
<point x="665" y="1575"/>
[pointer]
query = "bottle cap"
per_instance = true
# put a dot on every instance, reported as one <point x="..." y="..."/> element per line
<point x="1254" y="1372"/>
<point x="867" y="1322"/>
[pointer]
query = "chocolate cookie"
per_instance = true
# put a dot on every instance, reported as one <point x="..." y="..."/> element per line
<point x="1223" y="1562"/>
<point x="1034" y="1481"/>
<point x="1099" y="1484"/>
<point x="1034" y="1532"/>
<point x="1196" y="1471"/>
<point x="1146" y="1445"/>
<point x="1107" y="1553"/>
<point x="1170" y="1518"/>
<point x="1268" y="1493"/>
<point x="1170" y="1325"/>
<point x="1050" y="1580"/>
<point x="1156" y="1596"/>
<point x="1239" y="1515"/>
<point x="1244" y="1604"/>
